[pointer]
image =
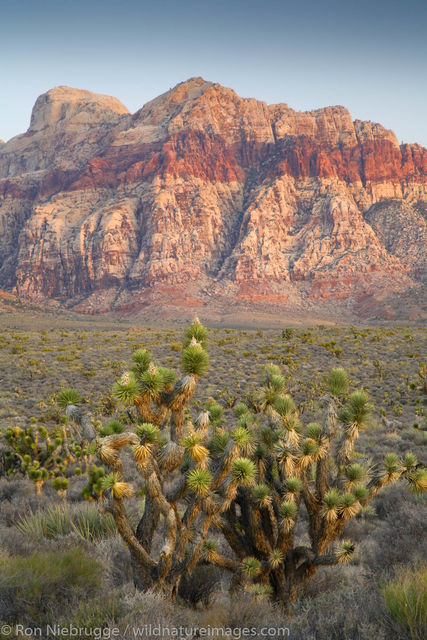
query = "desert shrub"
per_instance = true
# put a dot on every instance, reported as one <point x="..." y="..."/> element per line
<point x="97" y="613"/>
<point x="200" y="585"/>
<point x="406" y="599"/>
<point x="392" y="543"/>
<point x="353" y="612"/>
<point x="114" y="556"/>
<point x="38" y="587"/>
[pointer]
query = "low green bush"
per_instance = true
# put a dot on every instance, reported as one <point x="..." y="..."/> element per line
<point x="36" y="588"/>
<point x="406" y="599"/>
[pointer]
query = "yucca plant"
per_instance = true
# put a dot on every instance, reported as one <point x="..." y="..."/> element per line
<point x="241" y="484"/>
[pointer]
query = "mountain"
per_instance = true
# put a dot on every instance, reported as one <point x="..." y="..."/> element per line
<point x="204" y="198"/>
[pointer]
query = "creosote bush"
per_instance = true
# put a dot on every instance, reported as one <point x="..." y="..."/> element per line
<point x="41" y="581"/>
<point x="244" y="482"/>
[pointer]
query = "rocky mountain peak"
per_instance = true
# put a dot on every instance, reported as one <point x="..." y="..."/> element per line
<point x="204" y="198"/>
<point x="81" y="107"/>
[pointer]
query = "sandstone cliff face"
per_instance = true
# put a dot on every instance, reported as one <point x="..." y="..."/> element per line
<point x="203" y="197"/>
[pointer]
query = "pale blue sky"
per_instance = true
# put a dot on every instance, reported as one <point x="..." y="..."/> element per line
<point x="370" y="56"/>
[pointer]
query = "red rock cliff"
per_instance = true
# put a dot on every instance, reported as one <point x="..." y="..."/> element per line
<point x="207" y="195"/>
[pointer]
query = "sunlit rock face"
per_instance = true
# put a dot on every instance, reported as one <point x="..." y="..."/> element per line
<point x="207" y="197"/>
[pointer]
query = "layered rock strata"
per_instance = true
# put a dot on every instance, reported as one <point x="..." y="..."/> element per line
<point x="203" y="197"/>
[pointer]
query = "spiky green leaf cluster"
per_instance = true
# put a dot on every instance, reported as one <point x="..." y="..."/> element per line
<point x="243" y="438"/>
<point x="199" y="480"/>
<point x="309" y="447"/>
<point x="332" y="499"/>
<point x="345" y="551"/>
<point x="410" y="461"/>
<point x="218" y="442"/>
<point x="275" y="558"/>
<point x="152" y="381"/>
<point x="240" y="409"/>
<point x="126" y="388"/>
<point x="215" y="413"/>
<point x="194" y="361"/>
<point x="293" y="485"/>
<point x="68" y="396"/>
<point x="284" y="405"/>
<point x="243" y="471"/>
<point x="338" y="382"/>
<point x="261" y="494"/>
<point x="251" y="566"/>
<point x="355" y="472"/>
<point x="392" y="464"/>
<point x="357" y="410"/>
<point x="288" y="509"/>
<point x="418" y="480"/>
<point x="313" y="430"/>
<point x="112" y="427"/>
<point x="347" y="500"/>
<point x="197" y="331"/>
<point x="142" y="359"/>
<point x="168" y="377"/>
<point x="148" y="432"/>
<point x="360" y="492"/>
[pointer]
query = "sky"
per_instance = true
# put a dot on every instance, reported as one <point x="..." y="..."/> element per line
<point x="370" y="56"/>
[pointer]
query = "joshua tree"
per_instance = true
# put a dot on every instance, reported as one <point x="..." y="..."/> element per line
<point x="249" y="484"/>
<point x="40" y="454"/>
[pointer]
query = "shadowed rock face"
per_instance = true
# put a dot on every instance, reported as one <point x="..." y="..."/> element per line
<point x="204" y="197"/>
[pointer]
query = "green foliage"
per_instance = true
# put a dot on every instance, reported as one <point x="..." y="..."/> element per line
<point x="240" y="409"/>
<point x="355" y="472"/>
<point x="112" y="427"/>
<point x="199" y="480"/>
<point x="243" y="438"/>
<point x="37" y="583"/>
<point x="142" y="359"/>
<point x="251" y="566"/>
<point x="288" y="509"/>
<point x="215" y="413"/>
<point x="261" y="493"/>
<point x="360" y="492"/>
<point x="60" y="484"/>
<point x="338" y="382"/>
<point x="293" y="485"/>
<point x="148" y="432"/>
<point x="243" y="471"/>
<point x="198" y="332"/>
<point x="93" y="490"/>
<point x="357" y="410"/>
<point x="284" y="405"/>
<point x="217" y="443"/>
<point x="68" y="396"/>
<point x="309" y="447"/>
<point x="313" y="430"/>
<point x="126" y="388"/>
<point x="152" y="381"/>
<point x="60" y="520"/>
<point x="195" y="361"/>
<point x="406" y="599"/>
<point x="332" y="499"/>
<point x="168" y="377"/>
